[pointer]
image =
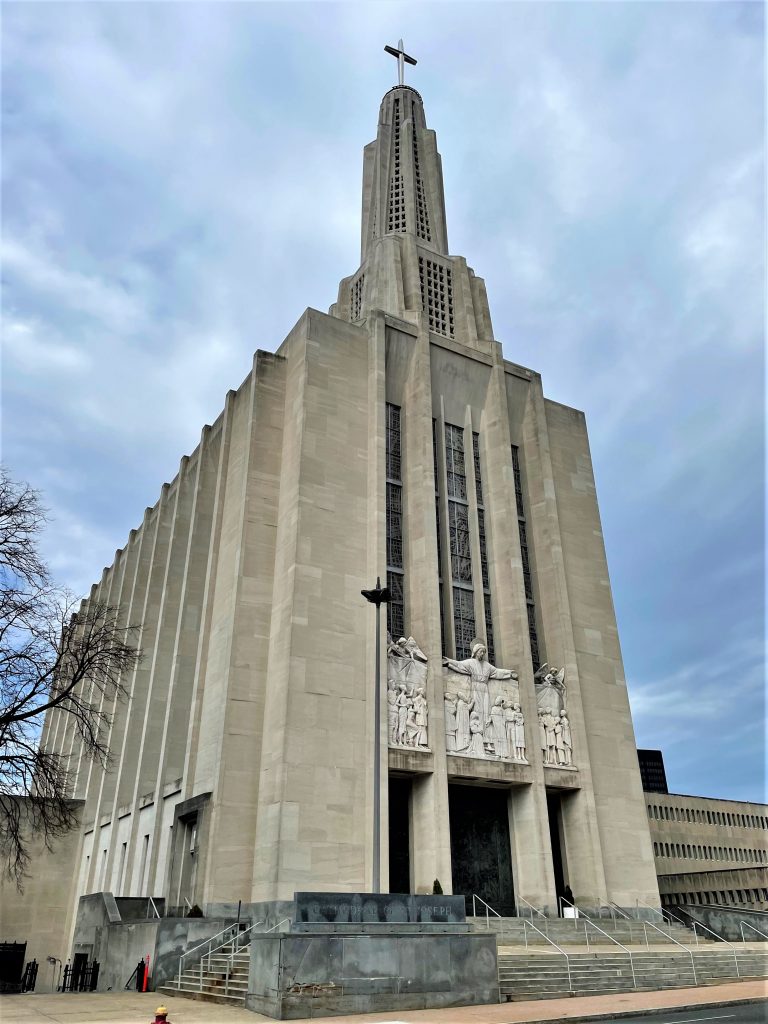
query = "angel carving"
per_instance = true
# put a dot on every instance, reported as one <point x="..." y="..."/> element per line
<point x="550" y="689"/>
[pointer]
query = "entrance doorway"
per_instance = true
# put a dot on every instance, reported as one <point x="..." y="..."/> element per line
<point x="481" y="858"/>
<point x="555" y="813"/>
<point x="399" y="835"/>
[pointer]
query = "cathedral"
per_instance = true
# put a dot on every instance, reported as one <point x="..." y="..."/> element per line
<point x="389" y="438"/>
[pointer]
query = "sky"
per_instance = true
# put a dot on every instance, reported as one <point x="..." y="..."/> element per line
<point x="181" y="180"/>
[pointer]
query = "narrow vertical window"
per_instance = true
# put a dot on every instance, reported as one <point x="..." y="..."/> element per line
<point x="440" y="592"/>
<point x="396" y="605"/>
<point x="483" y="549"/>
<point x="525" y="558"/>
<point x="459" y="542"/>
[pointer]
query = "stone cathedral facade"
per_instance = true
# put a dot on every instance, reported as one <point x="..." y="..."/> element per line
<point x="389" y="437"/>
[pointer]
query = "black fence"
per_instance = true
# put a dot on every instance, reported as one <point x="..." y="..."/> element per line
<point x="80" y="976"/>
<point x="29" y="977"/>
<point x="11" y="965"/>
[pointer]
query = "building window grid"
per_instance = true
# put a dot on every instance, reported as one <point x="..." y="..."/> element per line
<point x="394" y="522"/>
<point x="525" y="559"/>
<point x="463" y="621"/>
<point x="396" y="220"/>
<point x="438" y="534"/>
<point x="459" y="542"/>
<point x="484" y="574"/>
<point x="455" y="469"/>
<point x="422" y="212"/>
<point x="356" y="298"/>
<point x="437" y="296"/>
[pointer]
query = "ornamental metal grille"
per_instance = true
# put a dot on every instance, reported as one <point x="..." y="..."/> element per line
<point x="396" y="220"/>
<point x="356" y="300"/>
<point x="534" y="637"/>
<point x="394" y="526"/>
<point x="526" y="560"/>
<point x="422" y="213"/>
<point x="478" y="478"/>
<point x="456" y="478"/>
<point x="394" y="468"/>
<point x="518" y="481"/>
<point x="396" y="605"/>
<point x="489" y="628"/>
<point x="438" y="534"/>
<point x="439" y="553"/>
<point x="463" y="621"/>
<point x="394" y="499"/>
<point x="437" y="296"/>
<point x="458" y="531"/>
<point x="483" y="549"/>
<point x="443" y="641"/>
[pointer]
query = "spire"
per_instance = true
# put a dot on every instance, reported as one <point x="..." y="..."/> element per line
<point x="402" y="175"/>
<point x="405" y="267"/>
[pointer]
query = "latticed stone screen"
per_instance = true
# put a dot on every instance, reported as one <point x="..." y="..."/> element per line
<point x="437" y="295"/>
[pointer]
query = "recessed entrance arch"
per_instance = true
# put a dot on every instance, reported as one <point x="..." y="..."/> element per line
<point x="481" y="856"/>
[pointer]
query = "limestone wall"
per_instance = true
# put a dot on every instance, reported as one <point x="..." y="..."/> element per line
<point x="41" y="915"/>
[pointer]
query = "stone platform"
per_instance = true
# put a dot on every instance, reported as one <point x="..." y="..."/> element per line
<point x="362" y="952"/>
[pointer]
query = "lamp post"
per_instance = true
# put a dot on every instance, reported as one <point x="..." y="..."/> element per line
<point x="378" y="596"/>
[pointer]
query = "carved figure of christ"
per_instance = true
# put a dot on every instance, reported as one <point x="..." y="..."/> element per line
<point x="480" y="672"/>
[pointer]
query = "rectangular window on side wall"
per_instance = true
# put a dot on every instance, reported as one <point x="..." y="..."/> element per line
<point x="525" y="558"/>
<point x="459" y="546"/>
<point x="438" y="534"/>
<point x="484" y="573"/>
<point x="394" y="524"/>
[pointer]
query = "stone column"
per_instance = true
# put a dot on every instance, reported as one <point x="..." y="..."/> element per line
<point x="531" y="849"/>
<point x="430" y="831"/>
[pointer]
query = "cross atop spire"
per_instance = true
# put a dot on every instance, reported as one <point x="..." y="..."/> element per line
<point x="402" y="60"/>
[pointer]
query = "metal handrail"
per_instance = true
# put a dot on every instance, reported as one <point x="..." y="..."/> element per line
<point x="579" y="912"/>
<point x="522" y="899"/>
<point x="613" y="939"/>
<point x="697" y="924"/>
<point x="530" y="924"/>
<point x="659" y="913"/>
<point x="606" y="906"/>
<point x="285" y="920"/>
<point x="152" y="902"/>
<point x="236" y="940"/>
<point x="206" y="942"/>
<point x="619" y="910"/>
<point x="756" y="930"/>
<point x="488" y="908"/>
<point x="671" y="937"/>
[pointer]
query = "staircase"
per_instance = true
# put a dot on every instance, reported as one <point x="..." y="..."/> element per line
<point x="221" y="977"/>
<point x="514" y="931"/>
<point x="545" y="975"/>
<point x="590" y="963"/>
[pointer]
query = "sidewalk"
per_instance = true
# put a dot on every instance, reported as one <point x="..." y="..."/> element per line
<point x="135" y="1008"/>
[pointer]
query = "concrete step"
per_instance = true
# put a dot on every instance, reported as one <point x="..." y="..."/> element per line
<point x="234" y="1000"/>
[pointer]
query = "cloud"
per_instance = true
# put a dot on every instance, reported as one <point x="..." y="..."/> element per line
<point x="181" y="181"/>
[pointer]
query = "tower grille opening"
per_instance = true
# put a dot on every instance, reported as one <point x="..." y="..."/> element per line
<point x="437" y="296"/>
<point x="396" y="218"/>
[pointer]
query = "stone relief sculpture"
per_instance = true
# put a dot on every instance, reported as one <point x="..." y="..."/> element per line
<point x="550" y="689"/>
<point x="407" y="707"/>
<point x="554" y="726"/>
<point x="482" y="710"/>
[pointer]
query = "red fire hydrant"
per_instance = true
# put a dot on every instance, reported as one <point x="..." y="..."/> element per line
<point x="161" y="1016"/>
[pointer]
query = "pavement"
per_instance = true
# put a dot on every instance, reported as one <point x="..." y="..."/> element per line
<point x="139" y="1008"/>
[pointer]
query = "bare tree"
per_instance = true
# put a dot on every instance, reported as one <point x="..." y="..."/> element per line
<point x="59" y="656"/>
